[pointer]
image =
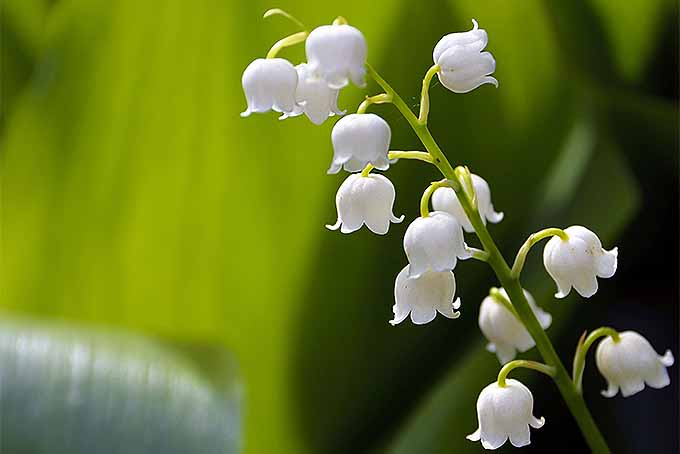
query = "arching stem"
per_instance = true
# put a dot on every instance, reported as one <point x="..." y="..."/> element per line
<point x="529" y="243"/>
<point x="510" y="283"/>
<point x="540" y="367"/>
<point x="582" y="351"/>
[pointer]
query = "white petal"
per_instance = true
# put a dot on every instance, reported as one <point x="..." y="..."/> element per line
<point x="422" y="315"/>
<point x="359" y="139"/>
<point x="474" y="40"/>
<point x="520" y="437"/>
<point x="463" y="71"/>
<point x="434" y="242"/>
<point x="423" y="296"/>
<point x="537" y="423"/>
<point x="379" y="205"/>
<point x="632" y="387"/>
<point x="337" y="53"/>
<point x="448" y="309"/>
<point x="445" y="199"/>
<point x="269" y="84"/>
<point x="667" y="359"/>
<point x="475" y="436"/>
<point x="611" y="391"/>
<point x="607" y="263"/>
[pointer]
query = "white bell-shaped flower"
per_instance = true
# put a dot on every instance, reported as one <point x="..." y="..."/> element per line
<point x="365" y="200"/>
<point x="474" y="40"/>
<point x="338" y="54"/>
<point x="424" y="296"/>
<point x="630" y="363"/>
<point x="269" y="84"/>
<point x="464" y="66"/>
<point x="314" y="97"/>
<point x="578" y="261"/>
<point x="504" y="413"/>
<point x="505" y="333"/>
<point x="445" y="199"/>
<point x="434" y="243"/>
<point x="358" y="140"/>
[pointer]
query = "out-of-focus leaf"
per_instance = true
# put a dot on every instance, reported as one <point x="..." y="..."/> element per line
<point x="66" y="389"/>
<point x="632" y="30"/>
<point x="133" y="194"/>
<point x="448" y="413"/>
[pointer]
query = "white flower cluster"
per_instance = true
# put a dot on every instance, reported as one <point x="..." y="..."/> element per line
<point x="435" y="241"/>
<point x="336" y="54"/>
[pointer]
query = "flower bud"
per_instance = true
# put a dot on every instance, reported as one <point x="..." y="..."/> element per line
<point x="445" y="199"/>
<point x="504" y="413"/>
<point x="269" y="84"/>
<point x="434" y="243"/>
<point x="578" y="261"/>
<point x="358" y="140"/>
<point x="424" y="296"/>
<point x="313" y="96"/>
<point x="338" y="54"/>
<point x="464" y="66"/>
<point x="630" y="363"/>
<point x="505" y="333"/>
<point x="365" y="200"/>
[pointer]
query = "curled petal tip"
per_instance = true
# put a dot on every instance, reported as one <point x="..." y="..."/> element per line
<point x="335" y="226"/>
<point x="397" y="220"/>
<point x="667" y="359"/>
<point x="245" y="113"/>
<point x="457" y="303"/>
<point x="537" y="423"/>
<point x="475" y="25"/>
<point x="475" y="436"/>
<point x="496" y="217"/>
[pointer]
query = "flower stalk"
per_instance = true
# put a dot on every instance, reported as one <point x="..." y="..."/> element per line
<point x="540" y="367"/>
<point x="508" y="280"/>
<point x="534" y="238"/>
<point x="582" y="350"/>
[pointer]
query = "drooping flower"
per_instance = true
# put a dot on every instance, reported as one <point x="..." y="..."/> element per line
<point x="269" y="84"/>
<point x="505" y="333"/>
<point x="358" y="140"/>
<point x="313" y="96"/>
<point x="630" y="363"/>
<point x="365" y="200"/>
<point x="434" y="243"/>
<point x="505" y="412"/>
<point x="578" y="261"/>
<point x="338" y="53"/>
<point x="464" y="66"/>
<point x="444" y="199"/>
<point x="424" y="296"/>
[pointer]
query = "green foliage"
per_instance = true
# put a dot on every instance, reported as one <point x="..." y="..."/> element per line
<point x="134" y="196"/>
<point x="66" y="389"/>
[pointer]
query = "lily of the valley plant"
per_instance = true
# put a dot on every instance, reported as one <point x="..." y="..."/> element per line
<point x="434" y="243"/>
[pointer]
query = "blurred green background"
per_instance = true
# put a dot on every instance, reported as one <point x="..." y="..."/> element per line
<point x="137" y="208"/>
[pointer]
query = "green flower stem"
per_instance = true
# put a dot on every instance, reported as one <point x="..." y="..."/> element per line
<point x="287" y="15"/>
<point x="510" y="283"/>
<point x="425" y="94"/>
<point x="502" y="300"/>
<point x="420" y="155"/>
<point x="425" y="199"/>
<point x="582" y="351"/>
<point x="367" y="170"/>
<point x="382" y="98"/>
<point x="478" y="254"/>
<point x="288" y="41"/>
<point x="505" y="370"/>
<point x="528" y="244"/>
<point x="421" y="131"/>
